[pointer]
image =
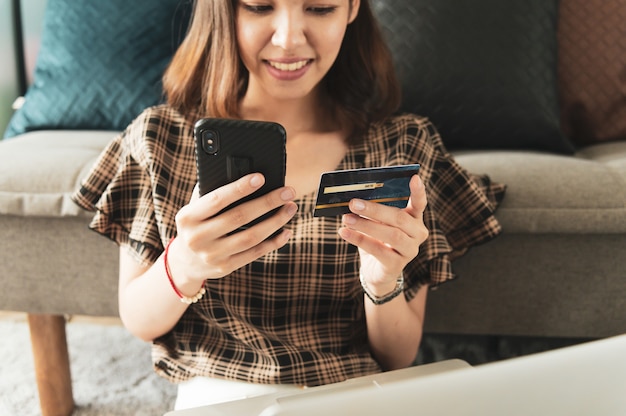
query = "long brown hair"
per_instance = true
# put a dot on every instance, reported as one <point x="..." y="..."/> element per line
<point x="207" y="75"/>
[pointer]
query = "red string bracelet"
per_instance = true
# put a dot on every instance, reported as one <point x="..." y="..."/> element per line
<point x="183" y="298"/>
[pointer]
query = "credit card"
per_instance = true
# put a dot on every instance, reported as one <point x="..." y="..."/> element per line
<point x="386" y="185"/>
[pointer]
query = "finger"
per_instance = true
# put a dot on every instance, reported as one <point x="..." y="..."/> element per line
<point x="215" y="201"/>
<point x="195" y="194"/>
<point x="240" y="259"/>
<point x="248" y="238"/>
<point x="397" y="239"/>
<point x="391" y="216"/>
<point x="233" y="251"/>
<point x="244" y="214"/>
<point x="392" y="259"/>
<point x="201" y="217"/>
<point x="418" y="200"/>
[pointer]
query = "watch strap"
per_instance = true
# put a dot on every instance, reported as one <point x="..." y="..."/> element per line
<point x="379" y="300"/>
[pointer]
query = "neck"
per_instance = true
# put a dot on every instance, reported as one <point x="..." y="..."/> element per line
<point x="302" y="115"/>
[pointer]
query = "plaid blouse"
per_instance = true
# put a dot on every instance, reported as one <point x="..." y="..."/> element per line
<point x="295" y="315"/>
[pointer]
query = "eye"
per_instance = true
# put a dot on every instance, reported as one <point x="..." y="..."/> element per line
<point x="322" y="10"/>
<point x="257" y="8"/>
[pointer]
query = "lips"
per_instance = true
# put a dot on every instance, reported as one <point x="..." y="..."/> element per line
<point x="288" y="70"/>
<point x="288" y="66"/>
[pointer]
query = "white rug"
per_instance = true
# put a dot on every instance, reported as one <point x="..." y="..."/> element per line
<point x="111" y="372"/>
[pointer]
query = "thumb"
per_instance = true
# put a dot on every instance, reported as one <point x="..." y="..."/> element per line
<point x="417" y="201"/>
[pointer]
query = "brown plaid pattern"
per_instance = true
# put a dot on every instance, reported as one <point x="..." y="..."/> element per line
<point x="296" y="315"/>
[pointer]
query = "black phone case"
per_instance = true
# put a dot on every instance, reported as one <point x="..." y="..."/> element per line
<point x="242" y="147"/>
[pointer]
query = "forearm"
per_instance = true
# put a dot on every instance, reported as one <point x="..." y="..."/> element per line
<point x="148" y="305"/>
<point x="395" y="330"/>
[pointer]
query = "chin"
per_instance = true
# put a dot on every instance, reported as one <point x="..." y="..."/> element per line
<point x="290" y="93"/>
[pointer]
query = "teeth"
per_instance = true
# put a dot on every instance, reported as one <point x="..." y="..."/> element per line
<point x="294" y="66"/>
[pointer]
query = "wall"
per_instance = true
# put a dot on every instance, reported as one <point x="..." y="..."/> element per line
<point x="9" y="89"/>
<point x="32" y="18"/>
<point x="32" y="21"/>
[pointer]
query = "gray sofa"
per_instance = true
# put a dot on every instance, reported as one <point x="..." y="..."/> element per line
<point x="558" y="270"/>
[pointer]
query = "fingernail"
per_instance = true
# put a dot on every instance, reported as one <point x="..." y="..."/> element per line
<point x="358" y="205"/>
<point x="291" y="209"/>
<point x="286" y="235"/>
<point x="349" y="219"/>
<point x="287" y="194"/>
<point x="256" y="181"/>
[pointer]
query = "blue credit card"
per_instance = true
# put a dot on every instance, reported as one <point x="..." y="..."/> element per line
<point x="386" y="185"/>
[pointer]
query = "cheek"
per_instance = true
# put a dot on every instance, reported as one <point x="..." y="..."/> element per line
<point x="333" y="37"/>
<point x="246" y="43"/>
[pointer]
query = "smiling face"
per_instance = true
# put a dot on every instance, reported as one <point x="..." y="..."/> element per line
<point x="288" y="46"/>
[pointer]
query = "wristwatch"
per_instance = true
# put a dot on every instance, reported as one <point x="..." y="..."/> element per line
<point x="379" y="300"/>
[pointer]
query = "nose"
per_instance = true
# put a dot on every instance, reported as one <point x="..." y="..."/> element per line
<point x="289" y="30"/>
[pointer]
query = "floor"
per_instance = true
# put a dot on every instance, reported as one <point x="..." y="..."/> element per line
<point x="435" y="347"/>
<point x="22" y="317"/>
<point x="112" y="373"/>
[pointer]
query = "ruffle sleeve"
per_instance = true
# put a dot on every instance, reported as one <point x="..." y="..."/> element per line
<point x="139" y="182"/>
<point x="460" y="210"/>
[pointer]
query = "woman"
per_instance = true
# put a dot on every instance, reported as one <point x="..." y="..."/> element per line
<point x="318" y="303"/>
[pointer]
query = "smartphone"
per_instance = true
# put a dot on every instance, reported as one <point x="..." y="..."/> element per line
<point x="227" y="149"/>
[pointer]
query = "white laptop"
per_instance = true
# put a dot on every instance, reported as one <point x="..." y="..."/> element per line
<point x="586" y="379"/>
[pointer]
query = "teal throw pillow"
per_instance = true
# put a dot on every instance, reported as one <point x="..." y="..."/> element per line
<point x="100" y="63"/>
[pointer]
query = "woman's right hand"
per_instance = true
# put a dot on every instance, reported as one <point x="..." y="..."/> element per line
<point x="206" y="248"/>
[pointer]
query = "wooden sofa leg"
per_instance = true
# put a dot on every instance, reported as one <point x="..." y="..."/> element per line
<point x="52" y="364"/>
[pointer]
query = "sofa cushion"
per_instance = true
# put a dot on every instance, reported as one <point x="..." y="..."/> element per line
<point x="100" y="63"/>
<point x="39" y="171"/>
<point x="592" y="70"/>
<point x="483" y="71"/>
<point x="555" y="194"/>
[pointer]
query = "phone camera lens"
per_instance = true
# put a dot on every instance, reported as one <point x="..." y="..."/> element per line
<point x="210" y="142"/>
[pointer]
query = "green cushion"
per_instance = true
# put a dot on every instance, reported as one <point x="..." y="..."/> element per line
<point x="100" y="63"/>
<point x="484" y="71"/>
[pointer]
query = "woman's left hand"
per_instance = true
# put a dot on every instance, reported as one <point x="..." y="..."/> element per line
<point x="388" y="238"/>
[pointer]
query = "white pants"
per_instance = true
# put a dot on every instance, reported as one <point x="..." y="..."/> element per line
<point x="204" y="391"/>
